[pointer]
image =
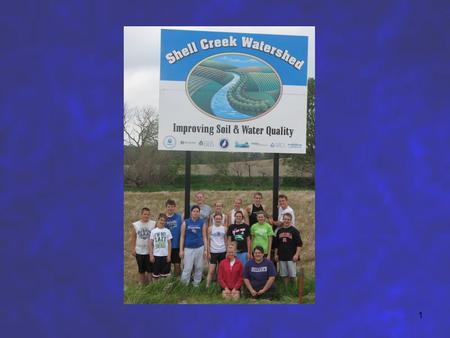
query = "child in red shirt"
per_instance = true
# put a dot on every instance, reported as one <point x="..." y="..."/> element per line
<point x="230" y="274"/>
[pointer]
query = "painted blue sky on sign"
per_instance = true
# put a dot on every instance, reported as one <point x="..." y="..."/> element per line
<point x="176" y="40"/>
<point x="239" y="60"/>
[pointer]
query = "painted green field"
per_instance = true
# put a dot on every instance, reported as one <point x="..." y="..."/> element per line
<point x="256" y="91"/>
<point x="205" y="81"/>
<point x="203" y="98"/>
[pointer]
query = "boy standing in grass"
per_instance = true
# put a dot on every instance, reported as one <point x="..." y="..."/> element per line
<point x="173" y="223"/>
<point x="160" y="248"/>
<point x="287" y="249"/>
<point x="139" y="245"/>
<point x="254" y="208"/>
<point x="262" y="234"/>
<point x="283" y="208"/>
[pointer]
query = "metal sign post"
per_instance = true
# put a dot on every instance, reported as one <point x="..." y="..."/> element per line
<point x="187" y="184"/>
<point x="276" y="185"/>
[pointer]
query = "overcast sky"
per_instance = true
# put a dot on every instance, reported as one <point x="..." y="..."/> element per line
<point x="142" y="57"/>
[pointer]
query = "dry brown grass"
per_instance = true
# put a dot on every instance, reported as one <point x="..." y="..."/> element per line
<point x="303" y="203"/>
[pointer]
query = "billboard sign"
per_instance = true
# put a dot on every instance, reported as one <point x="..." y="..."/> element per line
<point x="239" y="92"/>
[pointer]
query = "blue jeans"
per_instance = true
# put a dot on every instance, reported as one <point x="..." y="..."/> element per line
<point x="242" y="256"/>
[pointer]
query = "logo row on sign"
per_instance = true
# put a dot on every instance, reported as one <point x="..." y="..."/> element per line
<point x="170" y="143"/>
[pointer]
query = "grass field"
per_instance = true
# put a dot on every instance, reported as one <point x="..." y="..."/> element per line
<point x="171" y="291"/>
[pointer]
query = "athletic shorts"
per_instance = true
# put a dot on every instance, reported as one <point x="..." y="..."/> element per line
<point x="175" y="256"/>
<point x="143" y="263"/>
<point x="161" y="268"/>
<point x="288" y="269"/>
<point x="216" y="257"/>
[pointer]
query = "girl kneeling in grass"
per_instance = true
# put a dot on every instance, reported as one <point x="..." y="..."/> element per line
<point x="230" y="274"/>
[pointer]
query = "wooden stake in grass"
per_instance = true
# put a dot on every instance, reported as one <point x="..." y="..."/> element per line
<point x="301" y="283"/>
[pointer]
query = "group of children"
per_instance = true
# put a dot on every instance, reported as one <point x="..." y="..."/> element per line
<point x="248" y="236"/>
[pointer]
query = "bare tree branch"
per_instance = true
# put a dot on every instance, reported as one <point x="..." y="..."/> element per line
<point x="140" y="126"/>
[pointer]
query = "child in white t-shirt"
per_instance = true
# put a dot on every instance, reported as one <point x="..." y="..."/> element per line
<point x="160" y="248"/>
<point x="140" y="235"/>
<point x="283" y="208"/>
<point x="217" y="236"/>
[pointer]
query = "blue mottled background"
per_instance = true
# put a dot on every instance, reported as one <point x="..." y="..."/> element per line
<point x="382" y="171"/>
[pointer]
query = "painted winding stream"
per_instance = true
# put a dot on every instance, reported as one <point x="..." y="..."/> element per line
<point x="220" y="105"/>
